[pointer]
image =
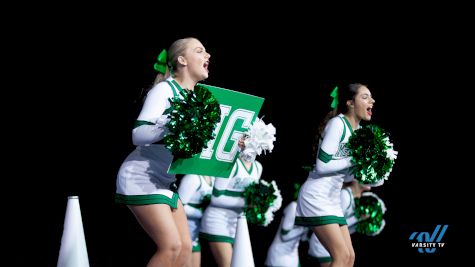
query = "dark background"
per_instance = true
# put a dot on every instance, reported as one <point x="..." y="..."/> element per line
<point x="79" y="74"/>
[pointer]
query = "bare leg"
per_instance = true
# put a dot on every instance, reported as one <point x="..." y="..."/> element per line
<point x="159" y="223"/>
<point x="222" y="253"/>
<point x="181" y="222"/>
<point x="196" y="259"/>
<point x="332" y="239"/>
<point x="347" y="236"/>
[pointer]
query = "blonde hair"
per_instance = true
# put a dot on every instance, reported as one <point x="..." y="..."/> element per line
<point x="176" y="50"/>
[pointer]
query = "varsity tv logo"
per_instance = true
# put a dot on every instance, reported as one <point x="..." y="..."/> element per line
<point x="429" y="243"/>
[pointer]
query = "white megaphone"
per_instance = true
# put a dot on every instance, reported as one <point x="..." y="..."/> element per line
<point x="73" y="252"/>
<point x="242" y="250"/>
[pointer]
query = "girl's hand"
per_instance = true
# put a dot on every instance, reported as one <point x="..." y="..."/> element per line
<point x="358" y="188"/>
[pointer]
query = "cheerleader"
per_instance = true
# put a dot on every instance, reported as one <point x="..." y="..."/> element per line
<point x="284" y="248"/>
<point x="143" y="183"/>
<point x="318" y="204"/>
<point x="219" y="222"/>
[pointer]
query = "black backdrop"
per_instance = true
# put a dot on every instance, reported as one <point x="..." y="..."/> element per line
<point x="81" y="76"/>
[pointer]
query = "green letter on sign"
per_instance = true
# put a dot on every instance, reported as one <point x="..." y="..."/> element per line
<point x="238" y="111"/>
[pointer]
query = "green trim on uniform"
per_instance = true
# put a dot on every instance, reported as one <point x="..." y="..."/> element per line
<point x="194" y="205"/>
<point x="284" y="232"/>
<point x="174" y="90"/>
<point x="216" y="238"/>
<point x="324" y="259"/>
<point x="344" y="130"/>
<point x="298" y="265"/>
<point x="348" y="124"/>
<point x="177" y="86"/>
<point x="228" y="193"/>
<point x="320" y="220"/>
<point x="140" y="123"/>
<point x="250" y="169"/>
<point x="196" y="248"/>
<point x="147" y="199"/>
<point x="200" y="178"/>
<point x="324" y="156"/>
<point x="314" y="260"/>
<point x="236" y="171"/>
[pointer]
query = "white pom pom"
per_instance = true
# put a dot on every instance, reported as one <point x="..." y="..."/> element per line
<point x="259" y="138"/>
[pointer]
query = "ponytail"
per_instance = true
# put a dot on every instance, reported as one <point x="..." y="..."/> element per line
<point x="321" y="127"/>
<point x="161" y="77"/>
<point x="332" y="113"/>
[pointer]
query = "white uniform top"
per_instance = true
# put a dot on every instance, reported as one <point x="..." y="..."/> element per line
<point x="143" y="177"/>
<point x="319" y="198"/>
<point x="284" y="248"/>
<point x="220" y="218"/>
<point x="227" y="192"/>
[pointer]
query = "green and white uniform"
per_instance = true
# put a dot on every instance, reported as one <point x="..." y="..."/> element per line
<point x="319" y="198"/>
<point x="192" y="190"/>
<point x="143" y="178"/>
<point x="284" y="248"/>
<point x="316" y="249"/>
<point x="220" y="218"/>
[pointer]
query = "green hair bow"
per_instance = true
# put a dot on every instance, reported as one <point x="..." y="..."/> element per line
<point x="334" y="95"/>
<point x="161" y="65"/>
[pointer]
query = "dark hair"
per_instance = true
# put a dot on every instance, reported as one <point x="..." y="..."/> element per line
<point x="344" y="94"/>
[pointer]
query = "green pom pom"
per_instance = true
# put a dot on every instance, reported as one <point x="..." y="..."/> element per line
<point x="261" y="197"/>
<point x="192" y="122"/>
<point x="372" y="154"/>
<point x="369" y="209"/>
